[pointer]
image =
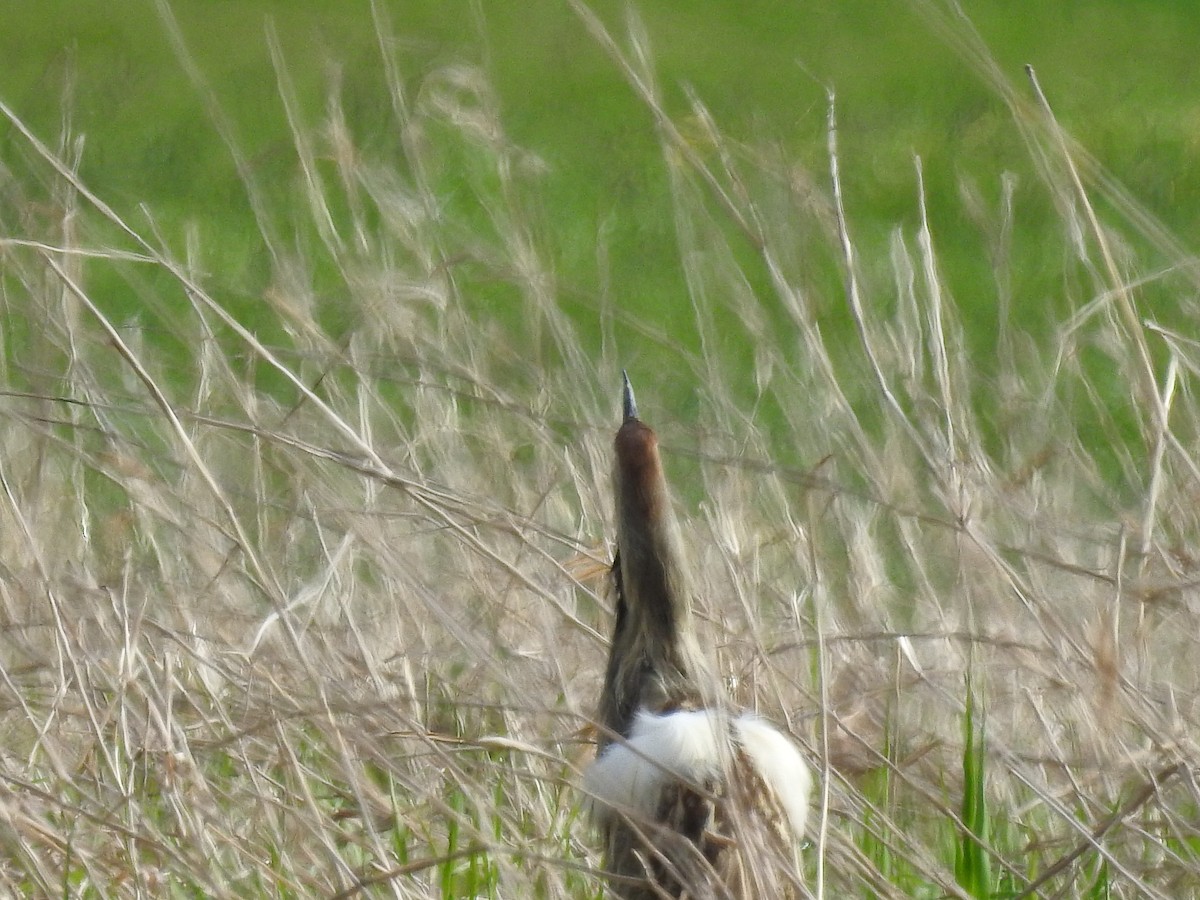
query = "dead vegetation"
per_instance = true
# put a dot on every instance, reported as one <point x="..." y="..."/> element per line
<point x="325" y="612"/>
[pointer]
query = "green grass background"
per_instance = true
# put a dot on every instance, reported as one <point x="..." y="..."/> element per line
<point x="1120" y="75"/>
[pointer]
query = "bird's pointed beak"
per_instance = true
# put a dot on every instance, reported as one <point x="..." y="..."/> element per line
<point x="630" y="401"/>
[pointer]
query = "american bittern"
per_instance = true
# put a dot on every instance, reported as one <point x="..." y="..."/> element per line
<point x="695" y="801"/>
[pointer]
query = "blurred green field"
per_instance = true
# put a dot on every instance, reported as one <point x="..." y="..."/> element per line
<point x="1120" y="75"/>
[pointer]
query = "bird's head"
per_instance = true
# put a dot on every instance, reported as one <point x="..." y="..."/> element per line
<point x="643" y="507"/>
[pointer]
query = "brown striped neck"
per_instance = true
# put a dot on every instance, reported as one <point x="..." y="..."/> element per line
<point x="652" y="660"/>
<point x="647" y="538"/>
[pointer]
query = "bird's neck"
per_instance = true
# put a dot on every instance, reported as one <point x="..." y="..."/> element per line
<point x="654" y="662"/>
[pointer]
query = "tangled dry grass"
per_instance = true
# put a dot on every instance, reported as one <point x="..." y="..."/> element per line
<point x="321" y="610"/>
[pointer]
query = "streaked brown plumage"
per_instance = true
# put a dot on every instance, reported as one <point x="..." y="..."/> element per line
<point x="695" y="801"/>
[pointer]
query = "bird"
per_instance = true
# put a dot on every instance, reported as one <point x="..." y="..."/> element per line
<point x="694" y="800"/>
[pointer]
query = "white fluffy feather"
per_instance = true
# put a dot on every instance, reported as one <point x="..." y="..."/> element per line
<point x="780" y="765"/>
<point x="684" y="745"/>
<point x="629" y="775"/>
